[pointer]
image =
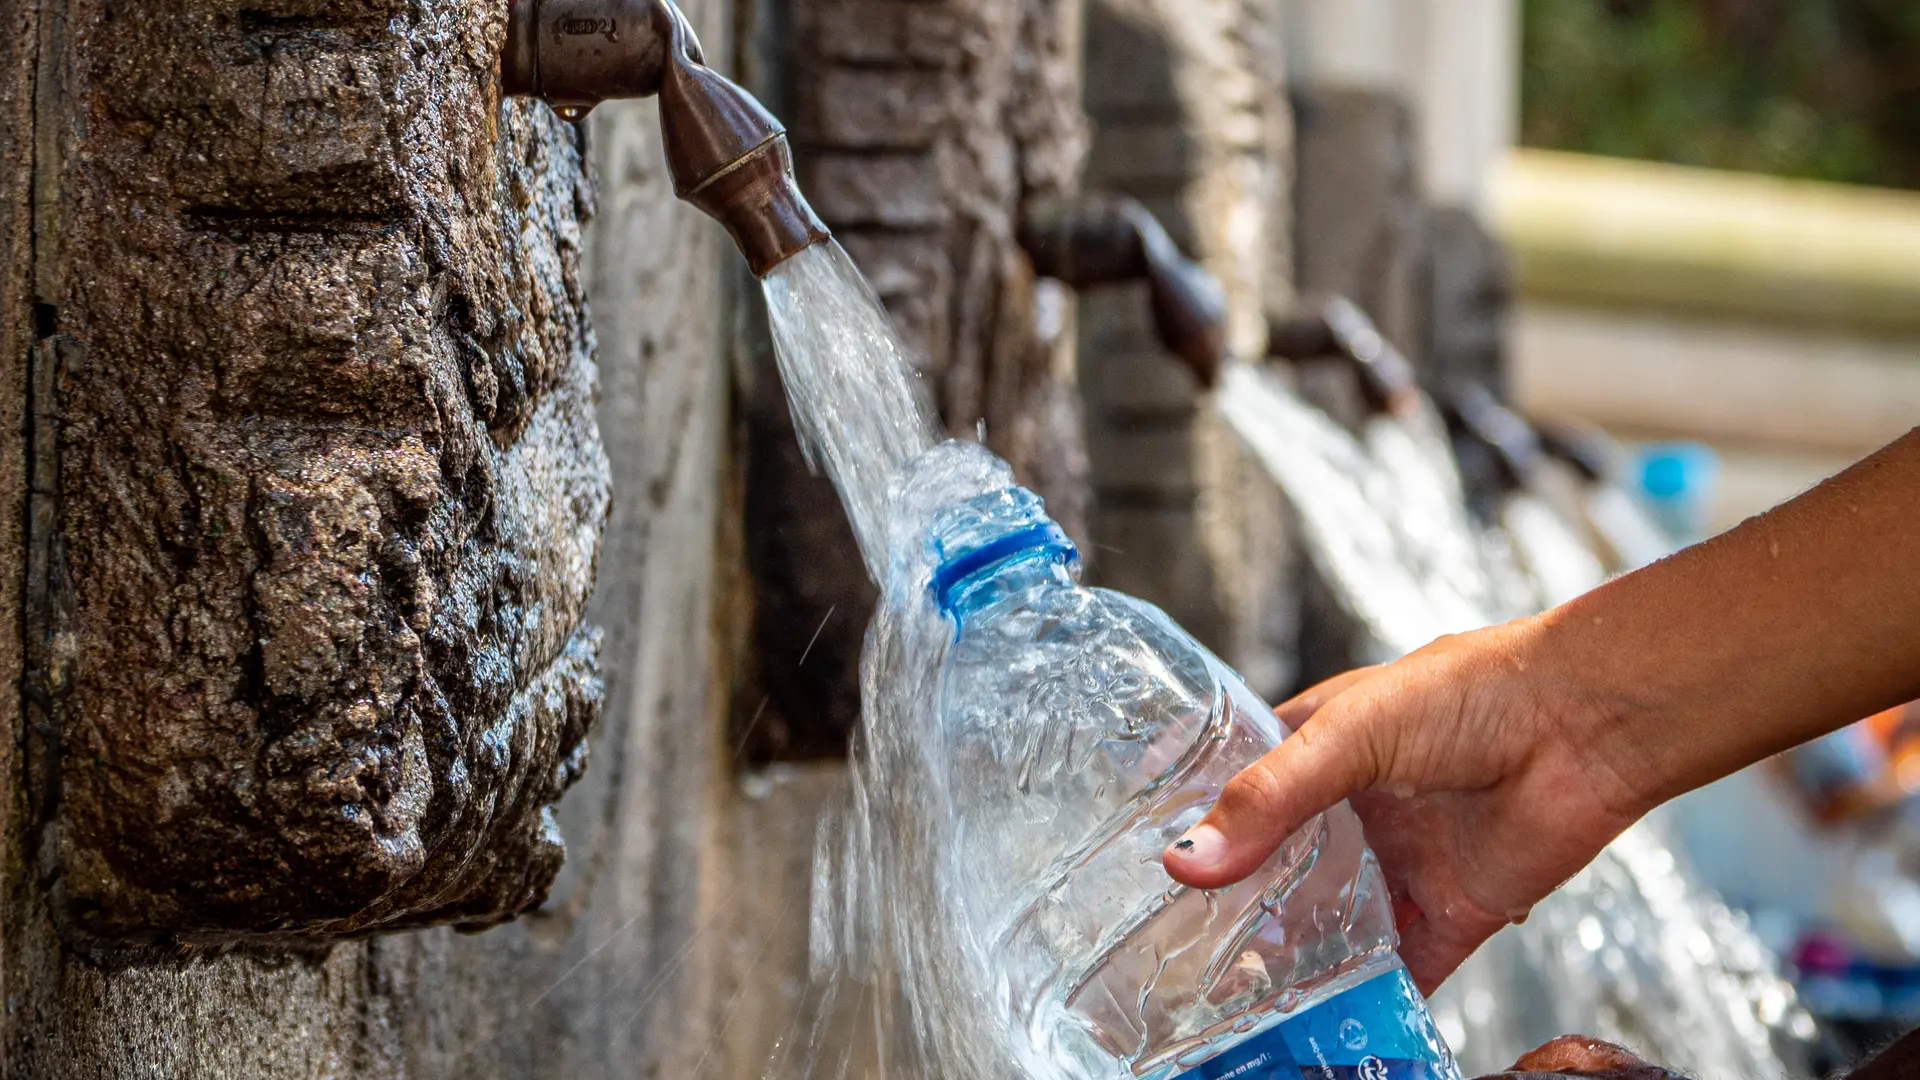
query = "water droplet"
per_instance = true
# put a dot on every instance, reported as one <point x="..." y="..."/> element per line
<point x="1592" y="935"/>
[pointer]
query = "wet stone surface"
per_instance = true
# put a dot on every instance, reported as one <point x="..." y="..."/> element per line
<point x="326" y="491"/>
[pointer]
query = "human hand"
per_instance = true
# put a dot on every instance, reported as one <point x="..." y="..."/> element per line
<point x="1476" y="769"/>
<point x="1577" y="1055"/>
<point x="1490" y="767"/>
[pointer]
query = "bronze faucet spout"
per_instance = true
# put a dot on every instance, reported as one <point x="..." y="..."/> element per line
<point x="1097" y="240"/>
<point x="1338" y="328"/>
<point x="1588" y="451"/>
<point x="1473" y="413"/>
<point x="726" y="152"/>
<point x="729" y="157"/>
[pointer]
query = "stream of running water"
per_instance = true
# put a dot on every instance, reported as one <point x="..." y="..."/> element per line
<point x="1629" y="950"/>
<point x="887" y="994"/>
<point x="856" y="400"/>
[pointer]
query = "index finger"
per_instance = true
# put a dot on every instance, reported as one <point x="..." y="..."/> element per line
<point x="1329" y="758"/>
<point x="1300" y="708"/>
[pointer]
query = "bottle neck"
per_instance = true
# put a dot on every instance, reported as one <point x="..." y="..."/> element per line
<point x="1020" y="571"/>
<point x="974" y="541"/>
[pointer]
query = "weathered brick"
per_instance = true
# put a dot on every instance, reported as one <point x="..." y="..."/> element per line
<point x="1188" y="120"/>
<point x="1150" y="463"/>
<point x="1130" y="68"/>
<point x="1139" y="154"/>
<point x="855" y="108"/>
<point x="1115" y="318"/>
<point x="887" y="32"/>
<point x="895" y="191"/>
<point x="1149" y="382"/>
<point x="923" y="125"/>
<point x="910" y="275"/>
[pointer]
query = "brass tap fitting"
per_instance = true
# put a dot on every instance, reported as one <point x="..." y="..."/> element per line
<point x="1093" y="240"/>
<point x="1588" y="451"/>
<point x="1338" y="328"/>
<point x="727" y="154"/>
<point x="1473" y="414"/>
<point x="574" y="54"/>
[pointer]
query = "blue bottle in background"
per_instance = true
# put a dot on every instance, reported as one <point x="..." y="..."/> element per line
<point x="1677" y="484"/>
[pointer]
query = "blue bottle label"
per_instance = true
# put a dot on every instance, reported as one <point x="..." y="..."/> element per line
<point x="1378" y="1030"/>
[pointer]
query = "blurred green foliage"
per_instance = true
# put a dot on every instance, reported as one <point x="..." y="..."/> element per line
<point x="1827" y="89"/>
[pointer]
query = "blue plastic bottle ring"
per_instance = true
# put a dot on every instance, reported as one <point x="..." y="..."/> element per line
<point x="950" y="574"/>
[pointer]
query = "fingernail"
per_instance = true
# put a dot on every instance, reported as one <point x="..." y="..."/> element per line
<point x="1202" y="848"/>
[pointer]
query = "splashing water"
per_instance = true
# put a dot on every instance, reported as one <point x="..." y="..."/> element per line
<point x="887" y="993"/>
<point x="902" y="982"/>
<point x="1409" y="575"/>
<point x="1629" y="950"/>
<point x="922" y="963"/>
<point x="852" y="389"/>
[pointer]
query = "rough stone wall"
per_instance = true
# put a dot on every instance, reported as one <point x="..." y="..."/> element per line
<point x="1189" y="117"/>
<point x="317" y="489"/>
<point x="350" y="439"/>
<point x="1361" y="216"/>
<point x="1432" y="277"/>
<point x="920" y="128"/>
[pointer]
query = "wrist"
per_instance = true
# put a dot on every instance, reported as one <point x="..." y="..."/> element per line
<point x="1601" y="718"/>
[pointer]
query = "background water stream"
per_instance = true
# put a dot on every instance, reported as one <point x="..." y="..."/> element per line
<point x="1632" y="949"/>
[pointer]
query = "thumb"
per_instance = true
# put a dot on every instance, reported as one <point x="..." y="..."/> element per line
<point x="1335" y="754"/>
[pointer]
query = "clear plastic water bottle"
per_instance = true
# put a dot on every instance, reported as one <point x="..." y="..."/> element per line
<point x="1083" y="731"/>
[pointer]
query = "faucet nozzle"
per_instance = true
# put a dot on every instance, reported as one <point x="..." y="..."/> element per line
<point x="729" y="157"/>
<point x="1093" y="240"/>
<point x="727" y="154"/>
<point x="1472" y="412"/>
<point x="1339" y="328"/>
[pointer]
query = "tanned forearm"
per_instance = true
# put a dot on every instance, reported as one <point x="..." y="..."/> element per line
<point x="1792" y="625"/>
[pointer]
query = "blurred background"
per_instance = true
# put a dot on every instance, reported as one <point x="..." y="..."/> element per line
<point x="1759" y="298"/>
<point x="1790" y="349"/>
<point x="1708" y="213"/>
